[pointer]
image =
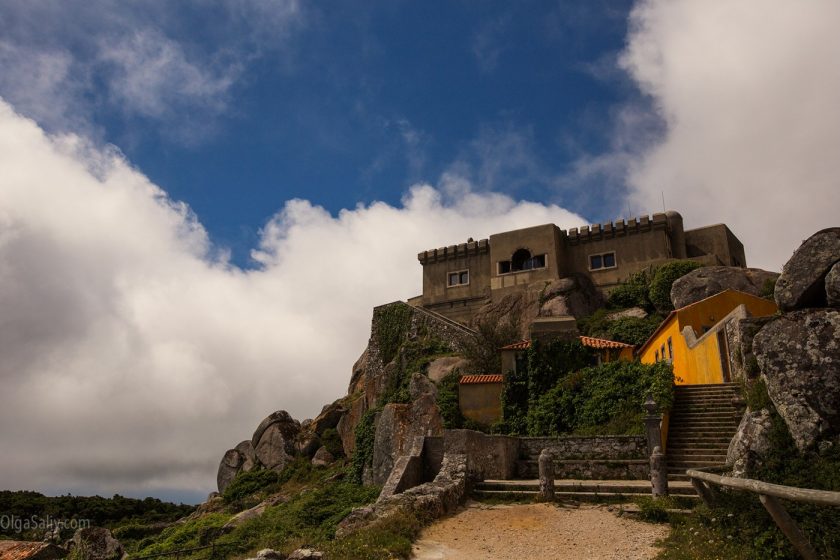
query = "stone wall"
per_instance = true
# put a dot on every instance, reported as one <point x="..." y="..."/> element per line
<point x="488" y="456"/>
<point x="589" y="447"/>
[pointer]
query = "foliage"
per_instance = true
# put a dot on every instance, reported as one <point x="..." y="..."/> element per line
<point x="447" y="401"/>
<point x="768" y="289"/>
<point x="363" y="452"/>
<point x="630" y="330"/>
<point x="545" y="366"/>
<point x="412" y="357"/>
<point x="653" y="509"/>
<point x="191" y="534"/>
<point x="248" y="483"/>
<point x="632" y="293"/>
<point x="589" y="399"/>
<point x="104" y="512"/>
<point x="383" y="540"/>
<point x="392" y="322"/>
<point x="663" y="279"/>
<point x="332" y="442"/>
<point x="482" y="350"/>
<point x="755" y="395"/>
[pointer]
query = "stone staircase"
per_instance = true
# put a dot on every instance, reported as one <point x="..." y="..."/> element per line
<point x="703" y="421"/>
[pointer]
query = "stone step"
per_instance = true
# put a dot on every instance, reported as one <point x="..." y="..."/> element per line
<point x="723" y="422"/>
<point x="690" y="451"/>
<point x="579" y="488"/>
<point x="697" y="440"/>
<point x="675" y="459"/>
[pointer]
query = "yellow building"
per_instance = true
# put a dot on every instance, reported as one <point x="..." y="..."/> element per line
<point x="693" y="338"/>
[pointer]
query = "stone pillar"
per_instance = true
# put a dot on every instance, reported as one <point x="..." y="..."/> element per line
<point x="546" y="466"/>
<point x="658" y="473"/>
<point x="653" y="425"/>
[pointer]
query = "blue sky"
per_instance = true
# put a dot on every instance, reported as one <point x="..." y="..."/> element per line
<point x="201" y="201"/>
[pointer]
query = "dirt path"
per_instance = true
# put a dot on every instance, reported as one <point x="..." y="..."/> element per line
<point x="588" y="532"/>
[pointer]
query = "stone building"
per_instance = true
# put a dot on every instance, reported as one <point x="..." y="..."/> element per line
<point x="459" y="279"/>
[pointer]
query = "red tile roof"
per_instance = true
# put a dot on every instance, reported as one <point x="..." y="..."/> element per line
<point x="585" y="340"/>
<point x="602" y="343"/>
<point x="471" y="379"/>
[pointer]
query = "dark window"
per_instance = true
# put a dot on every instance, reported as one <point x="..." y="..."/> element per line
<point x="459" y="278"/>
<point x="670" y="349"/>
<point x="520" y="259"/>
<point x="504" y="267"/>
<point x="465" y="277"/>
<point x="604" y="260"/>
<point x="657" y="355"/>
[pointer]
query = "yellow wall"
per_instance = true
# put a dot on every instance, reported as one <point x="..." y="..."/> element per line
<point x="701" y="364"/>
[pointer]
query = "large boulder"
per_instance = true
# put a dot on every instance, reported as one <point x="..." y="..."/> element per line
<point x="802" y="283"/>
<point x="97" y="543"/>
<point x="274" y="440"/>
<point x="328" y="418"/>
<point x="400" y="423"/>
<point x="229" y="467"/>
<point x="832" y="286"/>
<point x="441" y="367"/>
<point x="751" y="442"/>
<point x="346" y="427"/>
<point x="799" y="357"/>
<point x="709" y="280"/>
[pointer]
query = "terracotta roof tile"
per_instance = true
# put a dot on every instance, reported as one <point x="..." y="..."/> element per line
<point x="602" y="343"/>
<point x="472" y="379"/>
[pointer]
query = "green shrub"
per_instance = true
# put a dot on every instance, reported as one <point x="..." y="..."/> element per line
<point x="660" y="286"/>
<point x="632" y="293"/>
<point x="633" y="330"/>
<point x="248" y="483"/>
<point x="392" y="322"/>
<point x="768" y="289"/>
<point x="363" y="453"/>
<point x="332" y="442"/>
<point x="482" y="350"/>
<point x="447" y="401"/>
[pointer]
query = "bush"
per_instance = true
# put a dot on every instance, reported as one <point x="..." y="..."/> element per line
<point x="332" y="442"/>
<point x="447" y="401"/>
<point x="633" y="330"/>
<point x="248" y="483"/>
<point x="482" y="350"/>
<point x="363" y="453"/>
<point x="632" y="293"/>
<point x="660" y="286"/>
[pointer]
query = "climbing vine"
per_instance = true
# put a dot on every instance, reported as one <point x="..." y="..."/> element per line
<point x="363" y="453"/>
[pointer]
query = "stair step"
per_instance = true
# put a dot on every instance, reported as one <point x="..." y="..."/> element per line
<point x="673" y="458"/>
<point x="582" y="496"/>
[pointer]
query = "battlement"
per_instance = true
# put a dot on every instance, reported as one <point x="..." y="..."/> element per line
<point x="618" y="228"/>
<point x="454" y="251"/>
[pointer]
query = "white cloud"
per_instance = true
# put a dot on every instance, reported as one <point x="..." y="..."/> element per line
<point x="133" y="355"/>
<point x="748" y="91"/>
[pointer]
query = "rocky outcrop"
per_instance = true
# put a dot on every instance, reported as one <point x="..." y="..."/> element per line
<point x="274" y="440"/>
<point x="322" y="458"/>
<point x="346" y="427"/>
<point x="426" y="501"/>
<point x="802" y="283"/>
<point x="229" y="467"/>
<point x="574" y="296"/>
<point x="751" y="443"/>
<point x="710" y="280"/>
<point x="440" y="368"/>
<point x="832" y="286"/>
<point x="254" y="512"/>
<point x="799" y="357"/>
<point x="30" y="550"/>
<point x="399" y="424"/>
<point x="97" y="543"/>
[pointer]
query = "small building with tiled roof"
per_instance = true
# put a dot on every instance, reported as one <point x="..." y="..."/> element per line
<point x="513" y="355"/>
<point x="480" y="397"/>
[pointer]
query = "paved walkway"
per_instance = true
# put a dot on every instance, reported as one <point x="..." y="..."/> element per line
<point x="491" y="532"/>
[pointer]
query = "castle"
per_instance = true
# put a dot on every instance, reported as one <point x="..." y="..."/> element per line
<point x="459" y="279"/>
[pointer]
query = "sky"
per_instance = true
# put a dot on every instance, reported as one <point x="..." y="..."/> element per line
<point x="201" y="201"/>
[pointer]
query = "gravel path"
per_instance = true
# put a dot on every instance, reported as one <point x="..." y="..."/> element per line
<point x="588" y="532"/>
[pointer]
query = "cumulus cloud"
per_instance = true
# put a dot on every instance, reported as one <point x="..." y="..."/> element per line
<point x="134" y="354"/>
<point x="748" y="92"/>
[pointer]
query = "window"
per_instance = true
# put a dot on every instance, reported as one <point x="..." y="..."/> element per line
<point x="458" y="278"/>
<point x="662" y="352"/>
<point x="602" y="261"/>
<point x="522" y="260"/>
<point x="670" y="350"/>
<point x="657" y="356"/>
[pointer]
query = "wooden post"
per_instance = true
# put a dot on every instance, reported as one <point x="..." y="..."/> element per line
<point x="789" y="527"/>
<point x="704" y="492"/>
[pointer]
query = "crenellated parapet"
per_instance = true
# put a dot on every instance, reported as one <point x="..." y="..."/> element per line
<point x="454" y="251"/>
<point x="618" y="228"/>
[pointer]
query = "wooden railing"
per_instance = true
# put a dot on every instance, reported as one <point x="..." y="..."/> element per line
<point x="768" y="494"/>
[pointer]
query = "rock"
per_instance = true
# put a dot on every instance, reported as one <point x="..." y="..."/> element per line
<point x="214" y="504"/>
<point x="358" y="373"/>
<point x="229" y="467"/>
<point x="632" y="313"/>
<point x="308" y="443"/>
<point x="97" y="543"/>
<point x="799" y="357"/>
<point x="751" y="443"/>
<point x="30" y="550"/>
<point x="254" y="512"/>
<point x="802" y="283"/>
<point x="274" y="440"/>
<point x="302" y="553"/>
<point x="329" y="417"/>
<point x="322" y="458"/>
<point x="400" y="423"/>
<point x="440" y="368"/>
<point x="347" y="425"/>
<point x="710" y="280"/>
<point x="832" y="286"/>
<point x="249" y="457"/>
<point x="270" y="554"/>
